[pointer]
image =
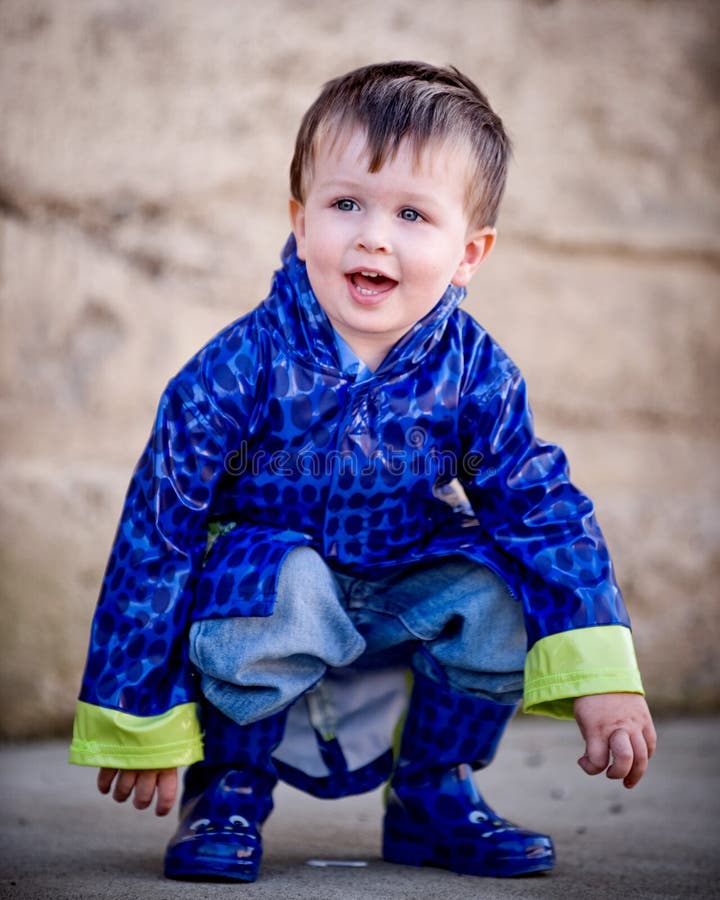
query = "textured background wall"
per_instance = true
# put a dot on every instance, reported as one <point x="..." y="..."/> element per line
<point x="143" y="157"/>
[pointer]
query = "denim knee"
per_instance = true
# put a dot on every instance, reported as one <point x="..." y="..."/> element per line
<point x="254" y="666"/>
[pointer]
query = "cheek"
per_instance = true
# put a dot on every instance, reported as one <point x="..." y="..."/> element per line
<point x="323" y="246"/>
<point x="321" y="266"/>
<point x="435" y="273"/>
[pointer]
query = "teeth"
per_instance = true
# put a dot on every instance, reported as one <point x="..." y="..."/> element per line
<point x="370" y="274"/>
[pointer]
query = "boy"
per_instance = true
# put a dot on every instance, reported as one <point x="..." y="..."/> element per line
<point x="344" y="486"/>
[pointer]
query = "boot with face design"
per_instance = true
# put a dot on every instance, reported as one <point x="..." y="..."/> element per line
<point x="226" y="798"/>
<point x="435" y="815"/>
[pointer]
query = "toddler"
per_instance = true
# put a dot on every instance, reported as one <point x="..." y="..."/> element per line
<point x="343" y="521"/>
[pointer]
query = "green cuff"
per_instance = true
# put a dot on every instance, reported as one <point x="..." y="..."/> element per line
<point x="113" y="739"/>
<point x="561" y="667"/>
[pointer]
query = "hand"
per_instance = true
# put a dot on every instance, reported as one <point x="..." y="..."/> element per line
<point x="619" y="735"/>
<point x="144" y="783"/>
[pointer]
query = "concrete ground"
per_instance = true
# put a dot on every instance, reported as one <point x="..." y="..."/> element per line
<point x="60" y="839"/>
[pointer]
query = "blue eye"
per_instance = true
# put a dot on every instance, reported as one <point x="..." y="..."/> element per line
<point x="410" y="215"/>
<point x="345" y="205"/>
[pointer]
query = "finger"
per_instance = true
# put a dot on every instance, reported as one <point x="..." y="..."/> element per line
<point x="124" y="785"/>
<point x="622" y="754"/>
<point x="596" y="756"/>
<point x="144" y="789"/>
<point x="166" y="791"/>
<point x="650" y="736"/>
<point x="105" y="780"/>
<point x="640" y="761"/>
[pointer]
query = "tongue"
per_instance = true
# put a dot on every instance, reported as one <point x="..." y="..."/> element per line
<point x="379" y="283"/>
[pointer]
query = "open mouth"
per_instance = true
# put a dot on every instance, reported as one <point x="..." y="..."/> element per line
<point x="370" y="284"/>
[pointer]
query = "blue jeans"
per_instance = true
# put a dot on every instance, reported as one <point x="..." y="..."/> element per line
<point x="452" y="614"/>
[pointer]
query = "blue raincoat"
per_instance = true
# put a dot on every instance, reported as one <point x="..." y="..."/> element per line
<point x="263" y="442"/>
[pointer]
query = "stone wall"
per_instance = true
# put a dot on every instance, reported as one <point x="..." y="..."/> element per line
<point x="143" y="157"/>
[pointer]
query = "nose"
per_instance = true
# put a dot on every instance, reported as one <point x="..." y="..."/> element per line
<point x="373" y="236"/>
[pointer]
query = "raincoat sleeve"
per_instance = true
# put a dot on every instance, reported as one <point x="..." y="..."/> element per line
<point x="579" y="636"/>
<point x="137" y="702"/>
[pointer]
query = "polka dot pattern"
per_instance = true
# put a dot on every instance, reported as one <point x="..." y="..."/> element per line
<point x="265" y="439"/>
<point x="245" y="749"/>
<point x="444" y="728"/>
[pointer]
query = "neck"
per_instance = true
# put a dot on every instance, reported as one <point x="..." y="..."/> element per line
<point x="369" y="352"/>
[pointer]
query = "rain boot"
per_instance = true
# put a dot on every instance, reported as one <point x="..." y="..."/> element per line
<point x="435" y="815"/>
<point x="226" y="798"/>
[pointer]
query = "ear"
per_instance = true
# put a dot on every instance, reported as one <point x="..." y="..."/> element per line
<point x="477" y="250"/>
<point x="297" y="220"/>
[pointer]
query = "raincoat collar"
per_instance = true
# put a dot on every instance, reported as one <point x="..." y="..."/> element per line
<point x="299" y="318"/>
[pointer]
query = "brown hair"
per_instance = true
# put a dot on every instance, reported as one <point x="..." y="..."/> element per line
<point x="412" y="101"/>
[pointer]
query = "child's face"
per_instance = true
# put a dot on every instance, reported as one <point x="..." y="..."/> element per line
<point x="381" y="248"/>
